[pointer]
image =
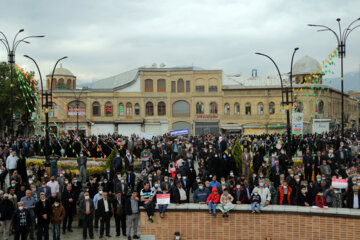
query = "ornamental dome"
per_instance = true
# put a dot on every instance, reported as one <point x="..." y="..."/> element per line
<point x="305" y="66"/>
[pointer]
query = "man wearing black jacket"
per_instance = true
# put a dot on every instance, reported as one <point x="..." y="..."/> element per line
<point x="21" y="222"/>
<point x="119" y="213"/>
<point x="69" y="198"/>
<point x="130" y="178"/>
<point x="6" y="210"/>
<point x="105" y="213"/>
<point x="43" y="211"/>
<point x="133" y="214"/>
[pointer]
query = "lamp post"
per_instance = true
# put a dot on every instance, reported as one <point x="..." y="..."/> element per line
<point x="285" y="90"/>
<point x="48" y="104"/>
<point x="11" y="49"/>
<point x="341" y="40"/>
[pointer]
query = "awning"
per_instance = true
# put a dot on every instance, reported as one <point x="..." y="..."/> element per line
<point x="231" y="126"/>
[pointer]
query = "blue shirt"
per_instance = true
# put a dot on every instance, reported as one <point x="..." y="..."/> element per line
<point x="214" y="184"/>
<point x="29" y="204"/>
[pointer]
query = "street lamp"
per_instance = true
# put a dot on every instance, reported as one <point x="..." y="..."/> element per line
<point x="11" y="49"/>
<point x="48" y="104"/>
<point x="285" y="90"/>
<point x="341" y="40"/>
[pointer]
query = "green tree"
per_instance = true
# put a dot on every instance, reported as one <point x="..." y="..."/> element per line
<point x="236" y="152"/>
<point x="24" y="95"/>
<point x="109" y="160"/>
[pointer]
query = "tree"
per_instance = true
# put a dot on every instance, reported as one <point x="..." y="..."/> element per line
<point x="236" y="152"/>
<point x="109" y="160"/>
<point x="24" y="94"/>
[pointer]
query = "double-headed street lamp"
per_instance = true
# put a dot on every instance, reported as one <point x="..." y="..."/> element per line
<point x="341" y="40"/>
<point x="11" y="49"/>
<point x="48" y="104"/>
<point x="288" y="102"/>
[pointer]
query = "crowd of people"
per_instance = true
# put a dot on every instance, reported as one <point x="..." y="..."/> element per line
<point x="192" y="169"/>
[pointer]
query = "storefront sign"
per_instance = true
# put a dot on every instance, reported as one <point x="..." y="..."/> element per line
<point x="180" y="132"/>
<point x="207" y="116"/>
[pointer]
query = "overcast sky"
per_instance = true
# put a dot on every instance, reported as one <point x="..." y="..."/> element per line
<point x="103" y="38"/>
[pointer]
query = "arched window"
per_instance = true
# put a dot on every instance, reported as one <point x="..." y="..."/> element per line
<point x="181" y="109"/>
<point x="237" y="109"/>
<point x="53" y="113"/>
<point x="161" y="109"/>
<point x="137" y="109"/>
<point x="161" y="85"/>
<point x="96" y="109"/>
<point x="61" y="83"/>
<point x="121" y="109"/>
<point x="199" y="108"/>
<point x="180" y="85"/>
<point x="213" y="108"/>
<point x="247" y="109"/>
<point x="149" y="109"/>
<point x="148" y="85"/>
<point x="320" y="107"/>
<point x="129" y="112"/>
<point x="227" y="109"/>
<point x="68" y="84"/>
<point x="76" y="108"/>
<point x="299" y="107"/>
<point x="282" y="108"/>
<point x="108" y="109"/>
<point x="271" y="108"/>
<point x="260" y="108"/>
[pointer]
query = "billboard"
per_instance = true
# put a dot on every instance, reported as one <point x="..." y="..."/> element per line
<point x="297" y="122"/>
<point x="180" y="132"/>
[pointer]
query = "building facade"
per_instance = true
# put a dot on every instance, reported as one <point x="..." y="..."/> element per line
<point x="153" y="101"/>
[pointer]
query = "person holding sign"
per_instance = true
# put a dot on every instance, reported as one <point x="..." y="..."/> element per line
<point x="162" y="198"/>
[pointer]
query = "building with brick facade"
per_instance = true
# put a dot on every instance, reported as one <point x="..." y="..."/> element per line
<point x="155" y="100"/>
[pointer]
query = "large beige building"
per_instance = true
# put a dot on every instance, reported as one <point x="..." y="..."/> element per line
<point x="153" y="101"/>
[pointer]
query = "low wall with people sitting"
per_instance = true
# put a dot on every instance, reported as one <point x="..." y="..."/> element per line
<point x="193" y="221"/>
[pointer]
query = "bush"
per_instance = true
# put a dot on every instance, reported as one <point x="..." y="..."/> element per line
<point x="109" y="160"/>
<point x="236" y="152"/>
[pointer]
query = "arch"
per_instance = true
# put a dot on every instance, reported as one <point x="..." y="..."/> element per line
<point x="149" y="109"/>
<point x="96" y="109"/>
<point x="61" y="83"/>
<point x="137" y="109"/>
<point x="227" y="109"/>
<point x="237" y="109"/>
<point x="181" y="108"/>
<point x="68" y="84"/>
<point x="76" y="108"/>
<point x="260" y="108"/>
<point x="248" y="108"/>
<point x="161" y="109"/>
<point x="320" y="107"/>
<point x="108" y="109"/>
<point x="200" y="108"/>
<point x="129" y="111"/>
<point x="121" y="109"/>
<point x="180" y="85"/>
<point x="271" y="108"/>
<point x="53" y="113"/>
<point x="213" y="108"/>
<point x="161" y="87"/>
<point x="149" y="85"/>
<point x="181" y="125"/>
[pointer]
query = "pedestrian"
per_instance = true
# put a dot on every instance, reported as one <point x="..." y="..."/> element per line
<point x="57" y="216"/>
<point x="43" y="212"/>
<point x="119" y="213"/>
<point x="7" y="210"/>
<point x="29" y="205"/>
<point x="53" y="164"/>
<point x="87" y="211"/>
<point x="82" y="162"/>
<point x="21" y="222"/>
<point x="11" y="163"/>
<point x="132" y="215"/>
<point x="105" y="213"/>
<point x="69" y="202"/>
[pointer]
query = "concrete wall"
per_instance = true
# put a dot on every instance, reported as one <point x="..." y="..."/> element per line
<point x="194" y="222"/>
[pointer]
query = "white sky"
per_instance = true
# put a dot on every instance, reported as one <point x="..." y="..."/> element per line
<point x="103" y="38"/>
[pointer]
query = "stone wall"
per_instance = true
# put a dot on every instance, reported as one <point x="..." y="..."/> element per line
<point x="194" y="222"/>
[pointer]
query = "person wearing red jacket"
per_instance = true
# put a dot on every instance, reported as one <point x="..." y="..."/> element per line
<point x="212" y="201"/>
<point x="320" y="200"/>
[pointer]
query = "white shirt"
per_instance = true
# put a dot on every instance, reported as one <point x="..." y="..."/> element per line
<point x="182" y="194"/>
<point x="11" y="162"/>
<point x="356" y="200"/>
<point x="106" y="206"/>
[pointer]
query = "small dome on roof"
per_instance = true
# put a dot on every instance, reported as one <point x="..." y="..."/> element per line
<point x="306" y="65"/>
<point x="60" y="71"/>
